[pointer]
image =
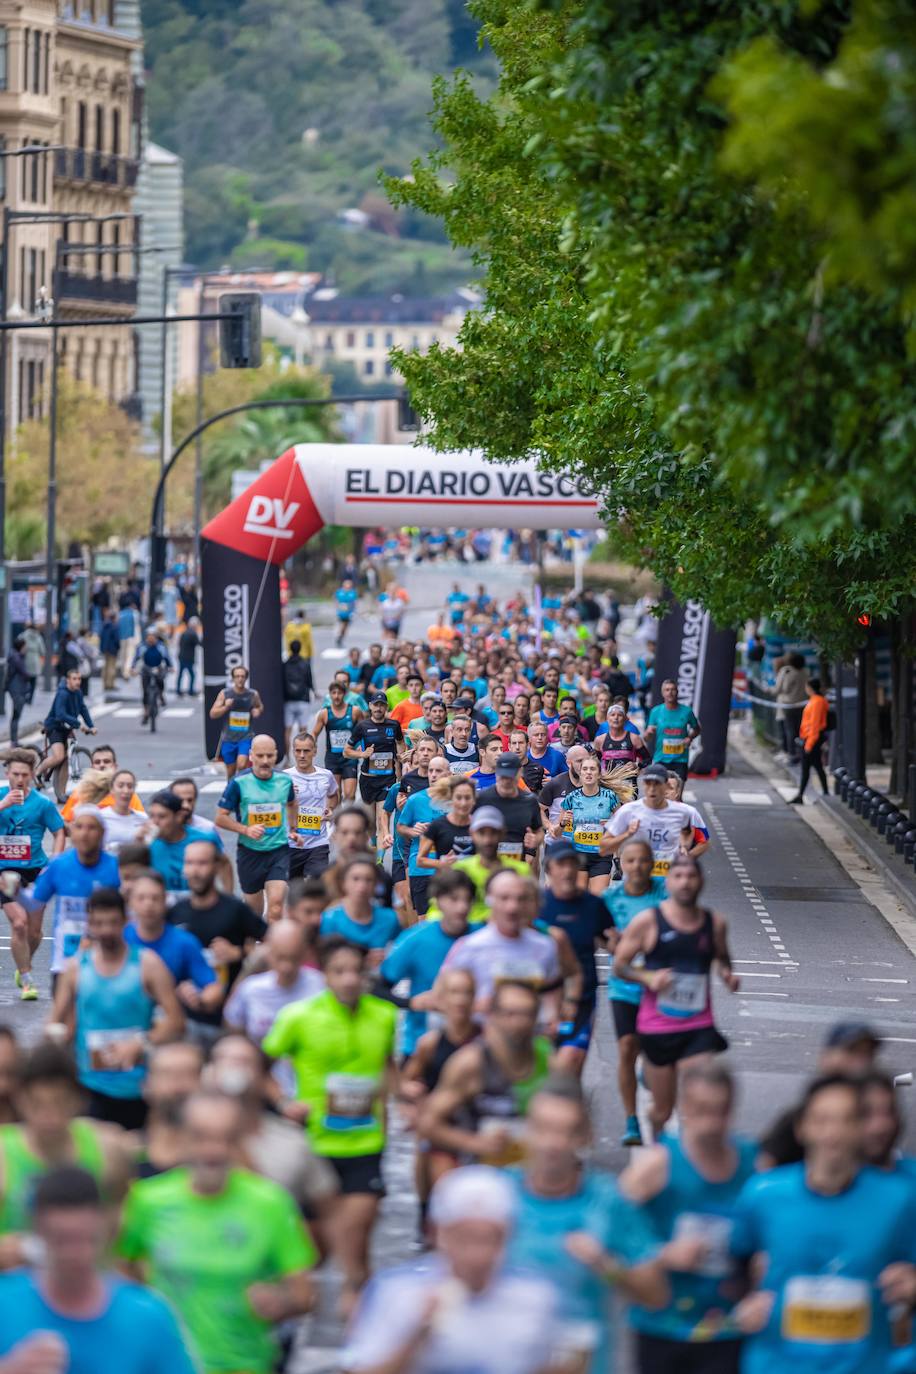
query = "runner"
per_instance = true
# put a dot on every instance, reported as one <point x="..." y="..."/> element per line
<point x="123" y="825"/>
<point x="260" y="808"/>
<point x="409" y="708"/>
<point x="182" y="953"/>
<point x="116" y="1001"/>
<point x="448" y="838"/>
<point x="237" y="705"/>
<point x="457" y="603"/>
<point x="70" y="878"/>
<point x="379" y="743"/>
<point x="488" y="830"/>
<point x="540" y="752"/>
<point x="297" y="692"/>
<point x="68" y="709"/>
<point x="618" y="744"/>
<point x="490" y="750"/>
<point x="170" y="839"/>
<point x="71" y="1313"/>
<point x="204" y="1234"/>
<point x="520" y="812"/>
<point x="353" y="835"/>
<point x="688" y="1188"/>
<point x="591" y="806"/>
<point x="341" y="1044"/>
<point x="670" y="730"/>
<point x="462" y="1310"/>
<point x="256" y="1000"/>
<point x="553" y="792"/>
<point x="507" y="949"/>
<point x="680" y="942"/>
<point x="26" y="817"/>
<point x="835" y="1282"/>
<point x="418" y="954"/>
<point x="51" y="1133"/>
<point x="358" y="918"/>
<point x="477" y="1109"/>
<point x="582" y="918"/>
<point x="574" y="1228"/>
<point x="337" y="721"/>
<point x="317" y="795"/>
<point x="460" y="749"/>
<point x="672" y="828"/>
<point x="185" y="789"/>
<point x="346" y="597"/>
<point x="625" y="900"/>
<point x="416" y="815"/>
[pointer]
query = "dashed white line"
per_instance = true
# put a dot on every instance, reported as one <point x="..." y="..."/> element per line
<point x="749" y="890"/>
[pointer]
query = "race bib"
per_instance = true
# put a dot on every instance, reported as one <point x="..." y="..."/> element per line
<point x="339" y="739"/>
<point x="239" y="720"/>
<point x="687" y="995"/>
<point x="509" y="849"/>
<point x="518" y="971"/>
<point x="826" y="1310"/>
<point x="513" y="1151"/>
<point x="381" y="763"/>
<point x="350" y="1099"/>
<point x="71" y="912"/>
<point x="660" y="868"/>
<point x="16" y="849"/>
<point x="586" y="839"/>
<point x="309" y="822"/>
<point x="462" y="766"/>
<point x="715" y="1232"/>
<point x="674" y="746"/>
<point x="268" y="816"/>
<point x="566" y="822"/>
<point x="101" y="1043"/>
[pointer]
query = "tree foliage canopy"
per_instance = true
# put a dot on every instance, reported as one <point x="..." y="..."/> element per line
<point x="673" y="310"/>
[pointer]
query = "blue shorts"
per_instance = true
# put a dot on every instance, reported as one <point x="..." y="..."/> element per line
<point x="577" y="1035"/>
<point x="230" y="749"/>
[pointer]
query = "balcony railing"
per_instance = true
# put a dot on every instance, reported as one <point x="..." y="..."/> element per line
<point x="101" y="169"/>
<point x="74" y="286"/>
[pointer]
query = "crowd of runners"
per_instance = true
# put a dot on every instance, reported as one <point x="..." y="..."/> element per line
<point x="401" y="924"/>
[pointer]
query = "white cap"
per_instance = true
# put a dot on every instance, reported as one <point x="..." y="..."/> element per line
<point x="474" y="1193"/>
<point x="85" y="809"/>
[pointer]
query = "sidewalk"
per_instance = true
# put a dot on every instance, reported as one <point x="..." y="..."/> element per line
<point x="871" y="847"/>
<point x="33" y="714"/>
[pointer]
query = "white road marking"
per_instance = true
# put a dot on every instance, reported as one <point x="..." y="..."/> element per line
<point x="333" y="653"/>
<point x="746" y="974"/>
<point x="128" y="712"/>
<point x="902" y="981"/>
<point x="750" y="799"/>
<point x="689" y="796"/>
<point x="759" y="992"/>
<point x="899" y="1039"/>
<point x="774" y="963"/>
<point x="750" y="892"/>
<point x="177" y="712"/>
<point x="153" y="784"/>
<point x="212" y="787"/>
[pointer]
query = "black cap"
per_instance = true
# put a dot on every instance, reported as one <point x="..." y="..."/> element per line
<point x="656" y="772"/>
<point x="559" y="851"/>
<point x="378" y="697"/>
<point x="508" y="765"/>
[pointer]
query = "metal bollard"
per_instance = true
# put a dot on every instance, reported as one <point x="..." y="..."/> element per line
<point x="901" y="830"/>
<point x="909" y="847"/>
<point x="884" y="810"/>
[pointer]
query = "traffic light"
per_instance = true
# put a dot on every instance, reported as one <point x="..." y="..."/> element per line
<point x="864" y="619"/>
<point x="240" y="329"/>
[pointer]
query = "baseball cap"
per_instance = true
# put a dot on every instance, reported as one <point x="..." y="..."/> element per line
<point x="376" y="697"/>
<point x="655" y="772"/>
<point x="474" y="1193"/>
<point x="561" y="850"/>
<point x="465" y="703"/>
<point x="487" y="816"/>
<point x="507" y="765"/>
<point x="845" y="1034"/>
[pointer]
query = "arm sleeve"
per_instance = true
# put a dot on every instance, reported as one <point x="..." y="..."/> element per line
<point x="283" y="1035"/>
<point x="51" y="817"/>
<point x="357" y="734"/>
<point x="131" y="1242"/>
<point x="45" y="885"/>
<point x="231" y="800"/>
<point x="397" y="963"/>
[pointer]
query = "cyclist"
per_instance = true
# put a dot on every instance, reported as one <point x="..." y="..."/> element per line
<point x="25" y="818"/>
<point x="239" y="705"/>
<point x="152" y="662"/>
<point x="67" y="710"/>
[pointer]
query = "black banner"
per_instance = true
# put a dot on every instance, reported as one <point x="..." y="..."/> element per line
<point x="701" y="660"/>
<point x="242" y="624"/>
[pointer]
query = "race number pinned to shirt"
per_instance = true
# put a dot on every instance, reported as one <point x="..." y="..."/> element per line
<point x="381" y="763"/>
<point x="673" y="746"/>
<point x="339" y="740"/>
<point x="71" y="912"/>
<point x="16" y="849"/>
<point x="826" y="1309"/>
<point x="586" y="838"/>
<point x="239" y="720"/>
<point x="509" y="849"/>
<point x="309" y="822"/>
<point x="268" y="816"/>
<point x="688" y="995"/>
<point x="350" y="1099"/>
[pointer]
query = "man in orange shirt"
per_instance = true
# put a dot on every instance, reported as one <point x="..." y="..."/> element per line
<point x="410" y="708"/>
<point x="440" y="635"/>
<point x="812" y="732"/>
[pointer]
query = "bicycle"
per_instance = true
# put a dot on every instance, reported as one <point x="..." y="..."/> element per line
<point x="71" y="767"/>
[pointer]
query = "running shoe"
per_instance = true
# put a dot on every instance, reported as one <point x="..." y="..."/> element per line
<point x="632" y="1135"/>
<point x="29" y="991"/>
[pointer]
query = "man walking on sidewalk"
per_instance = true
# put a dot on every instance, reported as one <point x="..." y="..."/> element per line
<point x="813" y="733"/>
<point x="110" y="644"/>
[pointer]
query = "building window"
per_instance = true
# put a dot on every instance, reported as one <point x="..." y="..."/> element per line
<point x="41" y="391"/>
<point x="35" y="164"/>
<point x="26" y="46"/>
<point x="351" y="338"/>
<point x="116" y="131"/>
<point x="415" y="341"/>
<point x="2" y="168"/>
<point x="99" y="129"/>
<point x="81" y="125"/>
<point x="33" y="280"/>
<point x="116" y="257"/>
<point x="389" y="339"/>
<point x="370" y="338"/>
<point x="368" y="367"/>
<point x="329" y="342"/>
<point x="4" y="55"/>
<point x="30" y="391"/>
<point x="47" y="71"/>
<point x="389" y="370"/>
<point x="37" y="47"/>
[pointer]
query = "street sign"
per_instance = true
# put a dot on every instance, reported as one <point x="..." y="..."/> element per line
<point x="111" y="563"/>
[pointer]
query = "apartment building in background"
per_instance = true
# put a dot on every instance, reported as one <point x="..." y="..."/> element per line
<point x="362" y="330"/>
<point x="69" y="82"/>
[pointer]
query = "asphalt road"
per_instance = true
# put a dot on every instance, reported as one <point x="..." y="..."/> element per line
<point x="810" y="947"/>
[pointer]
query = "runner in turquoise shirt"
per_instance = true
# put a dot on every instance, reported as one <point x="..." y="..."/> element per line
<point x="670" y="730"/>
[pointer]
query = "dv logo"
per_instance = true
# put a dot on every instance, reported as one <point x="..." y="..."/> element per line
<point x="269" y="516"/>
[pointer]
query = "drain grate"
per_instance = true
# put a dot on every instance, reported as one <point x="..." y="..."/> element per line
<point x="812" y="894"/>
